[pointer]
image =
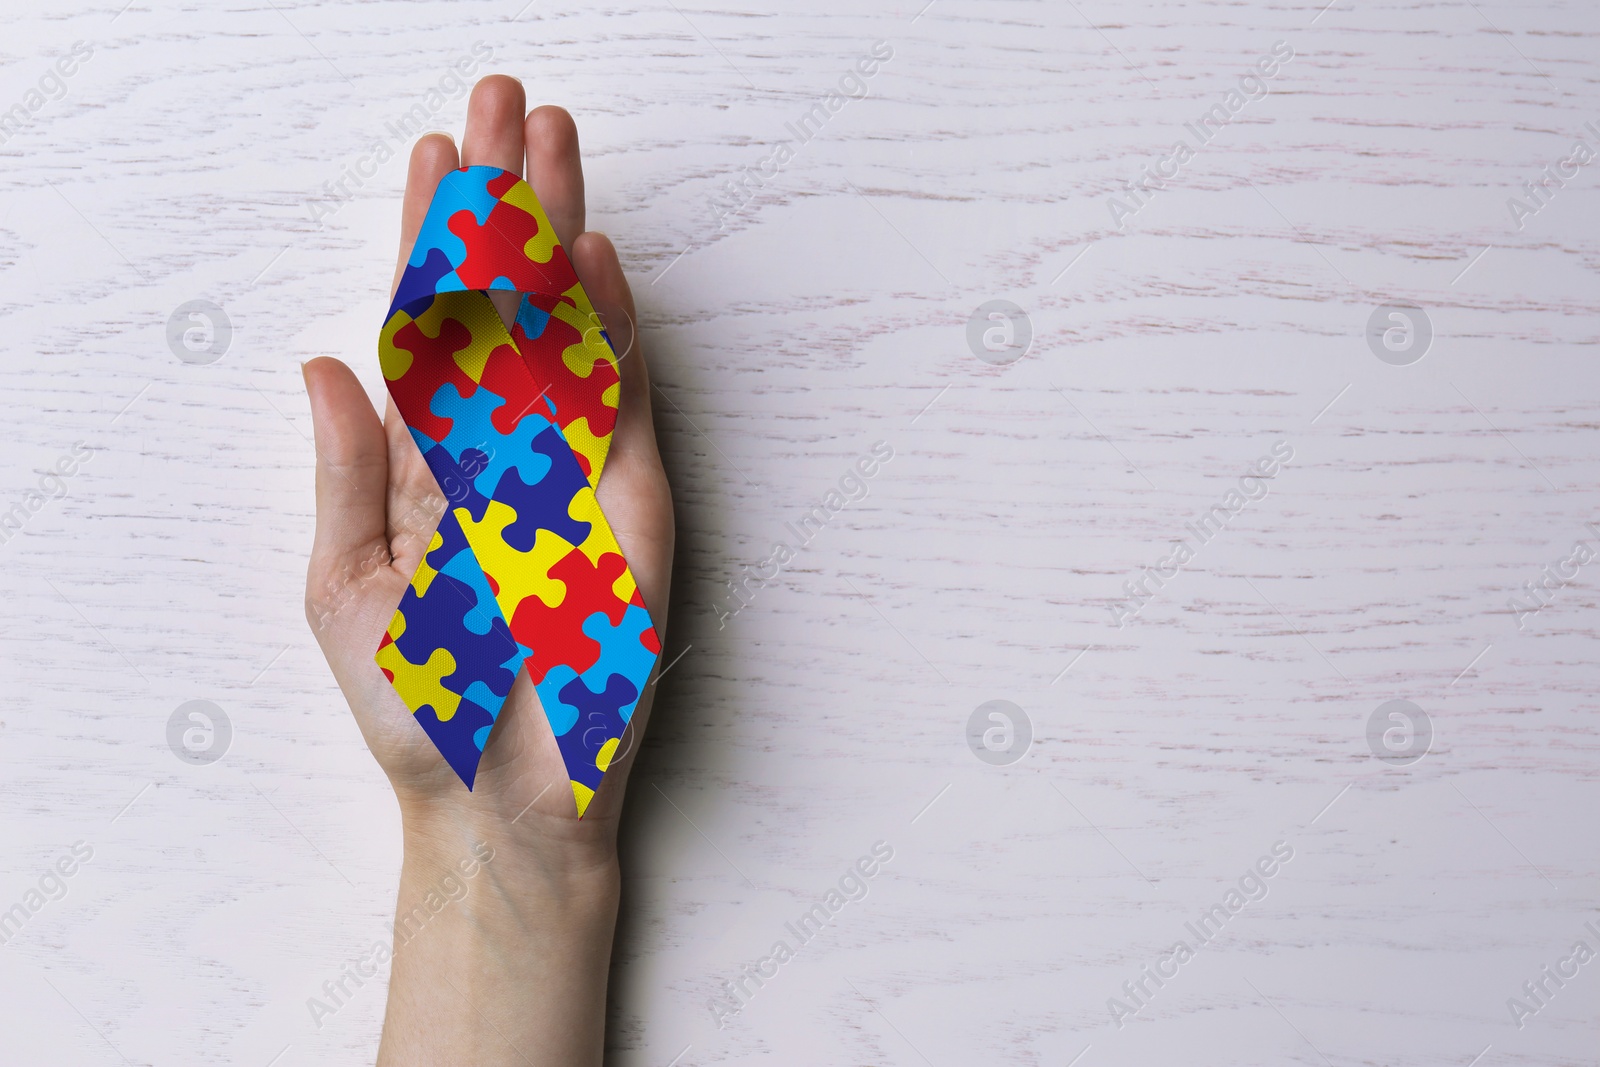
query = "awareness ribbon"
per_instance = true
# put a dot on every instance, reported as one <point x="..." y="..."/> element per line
<point x="514" y="425"/>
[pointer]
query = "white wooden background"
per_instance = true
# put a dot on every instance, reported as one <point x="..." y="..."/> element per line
<point x="831" y="713"/>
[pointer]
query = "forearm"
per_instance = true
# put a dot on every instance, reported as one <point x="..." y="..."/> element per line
<point x="501" y="949"/>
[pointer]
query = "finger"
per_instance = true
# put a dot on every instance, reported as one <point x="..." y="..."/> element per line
<point x="415" y="499"/>
<point x="639" y="505"/>
<point x="555" y="170"/>
<point x="595" y="259"/>
<point x="352" y="465"/>
<point x="494" y="139"/>
<point x="432" y="157"/>
<point x="494" y="125"/>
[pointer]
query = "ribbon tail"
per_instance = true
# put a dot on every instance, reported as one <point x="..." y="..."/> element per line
<point x="448" y="649"/>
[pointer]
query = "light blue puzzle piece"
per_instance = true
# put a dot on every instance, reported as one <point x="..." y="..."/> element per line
<point x="464" y="568"/>
<point x="472" y="427"/>
<point x="532" y="318"/>
<point x="484" y="697"/>
<point x="469" y="189"/>
<point x="457" y="191"/>
<point x="435" y="233"/>
<point x="620" y="652"/>
<point x="562" y="716"/>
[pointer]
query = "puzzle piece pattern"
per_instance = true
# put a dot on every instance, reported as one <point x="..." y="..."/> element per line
<point x="514" y="425"/>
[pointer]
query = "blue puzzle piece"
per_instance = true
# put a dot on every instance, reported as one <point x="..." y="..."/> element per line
<point x="516" y="453"/>
<point x="438" y="620"/>
<point x="599" y="719"/>
<point x="418" y="284"/>
<point x="457" y="739"/>
<point x="453" y="542"/>
<point x="460" y="489"/>
<point x="543" y="504"/>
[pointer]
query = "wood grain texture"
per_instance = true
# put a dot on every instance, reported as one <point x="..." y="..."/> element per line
<point x="829" y="313"/>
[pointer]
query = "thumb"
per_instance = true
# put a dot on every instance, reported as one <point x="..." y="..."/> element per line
<point x="352" y="467"/>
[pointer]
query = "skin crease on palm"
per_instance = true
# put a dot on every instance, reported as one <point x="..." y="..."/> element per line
<point x="377" y="501"/>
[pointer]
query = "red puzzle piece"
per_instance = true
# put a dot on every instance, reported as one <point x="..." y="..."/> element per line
<point x="575" y="397"/>
<point x="432" y="365"/>
<point x="556" y="634"/>
<point x="496" y="250"/>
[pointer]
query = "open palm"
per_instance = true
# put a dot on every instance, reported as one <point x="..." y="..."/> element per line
<point x="378" y="504"/>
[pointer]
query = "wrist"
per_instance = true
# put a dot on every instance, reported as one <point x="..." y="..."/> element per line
<point x="504" y="923"/>
<point x="532" y="861"/>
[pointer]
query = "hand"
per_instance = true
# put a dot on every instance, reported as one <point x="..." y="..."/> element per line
<point x="378" y="506"/>
<point x="523" y="941"/>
